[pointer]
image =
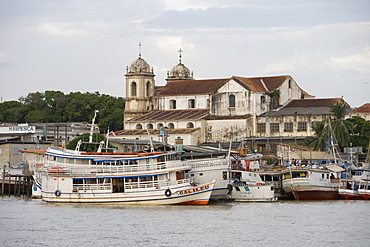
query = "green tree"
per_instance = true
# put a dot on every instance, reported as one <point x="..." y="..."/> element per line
<point x="56" y="102"/>
<point x="339" y="127"/>
<point x="37" y="116"/>
<point x="55" y="106"/>
<point x="88" y="147"/>
<point x="320" y="138"/>
<point x="10" y="111"/>
<point x="360" y="136"/>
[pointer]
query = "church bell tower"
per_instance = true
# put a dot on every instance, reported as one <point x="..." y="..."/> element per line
<point x="139" y="88"/>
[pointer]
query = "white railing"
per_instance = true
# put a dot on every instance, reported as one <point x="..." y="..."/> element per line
<point x="207" y="163"/>
<point x="92" y="187"/>
<point x="128" y="185"/>
<point x="57" y="168"/>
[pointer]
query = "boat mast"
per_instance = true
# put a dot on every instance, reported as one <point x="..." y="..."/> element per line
<point x="92" y="126"/>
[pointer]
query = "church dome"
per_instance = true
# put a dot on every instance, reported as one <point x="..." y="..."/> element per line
<point x="139" y="66"/>
<point x="180" y="71"/>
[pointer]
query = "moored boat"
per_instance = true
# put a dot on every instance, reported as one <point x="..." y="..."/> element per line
<point x="364" y="189"/>
<point x="307" y="183"/>
<point x="233" y="181"/>
<point x="152" y="178"/>
<point x="249" y="187"/>
<point x="350" y="185"/>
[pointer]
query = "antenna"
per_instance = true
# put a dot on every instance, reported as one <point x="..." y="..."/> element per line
<point x="139" y="49"/>
<point x="180" y="51"/>
<point x="92" y="126"/>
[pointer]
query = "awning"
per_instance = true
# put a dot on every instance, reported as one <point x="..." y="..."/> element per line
<point x="335" y="168"/>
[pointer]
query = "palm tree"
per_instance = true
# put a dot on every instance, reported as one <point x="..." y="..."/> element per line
<point x="341" y="128"/>
<point x="319" y="140"/>
<point x="337" y="128"/>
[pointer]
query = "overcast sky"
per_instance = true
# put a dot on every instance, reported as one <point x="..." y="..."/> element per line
<point x="85" y="45"/>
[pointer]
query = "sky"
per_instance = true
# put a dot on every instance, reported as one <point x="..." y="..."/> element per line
<point x="86" y="45"/>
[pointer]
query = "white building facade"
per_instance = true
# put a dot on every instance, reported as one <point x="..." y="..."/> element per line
<point x="217" y="110"/>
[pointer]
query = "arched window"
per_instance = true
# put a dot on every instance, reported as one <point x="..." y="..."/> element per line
<point x="263" y="100"/>
<point x="171" y="126"/>
<point x="139" y="126"/>
<point x="231" y="100"/>
<point x="172" y="104"/>
<point x="133" y="89"/>
<point x="190" y="125"/>
<point x="149" y="126"/>
<point x="147" y="89"/>
<point x="159" y="126"/>
<point x="191" y="103"/>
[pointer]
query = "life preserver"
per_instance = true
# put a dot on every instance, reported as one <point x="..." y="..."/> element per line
<point x="168" y="192"/>
<point x="57" y="193"/>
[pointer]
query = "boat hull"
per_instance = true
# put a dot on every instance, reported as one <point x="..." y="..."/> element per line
<point x="350" y="194"/>
<point x="198" y="195"/>
<point x="316" y="195"/>
<point x="364" y="194"/>
<point x="253" y="193"/>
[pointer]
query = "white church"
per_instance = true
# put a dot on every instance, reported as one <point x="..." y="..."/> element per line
<point x="208" y="110"/>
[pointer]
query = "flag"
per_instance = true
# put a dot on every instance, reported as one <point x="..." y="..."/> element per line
<point x="113" y="134"/>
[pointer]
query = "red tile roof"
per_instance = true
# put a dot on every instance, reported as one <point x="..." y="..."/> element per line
<point x="186" y="87"/>
<point x="206" y="86"/>
<point x="263" y="84"/>
<point x="210" y="117"/>
<point x="172" y="115"/>
<point x="314" y="102"/>
<point x="156" y="131"/>
<point x="362" y="109"/>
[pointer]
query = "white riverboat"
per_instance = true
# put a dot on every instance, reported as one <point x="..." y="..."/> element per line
<point x="350" y="186"/>
<point x="248" y="186"/>
<point x="232" y="181"/>
<point x="154" y="178"/>
<point x="312" y="183"/>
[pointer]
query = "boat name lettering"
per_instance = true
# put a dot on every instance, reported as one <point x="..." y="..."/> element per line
<point x="193" y="190"/>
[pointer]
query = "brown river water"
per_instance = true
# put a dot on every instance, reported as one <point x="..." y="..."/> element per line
<point x="283" y="223"/>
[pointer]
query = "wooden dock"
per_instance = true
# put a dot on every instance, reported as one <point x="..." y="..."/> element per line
<point x="15" y="184"/>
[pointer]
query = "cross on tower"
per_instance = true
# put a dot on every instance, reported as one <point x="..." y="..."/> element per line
<point x="180" y="51"/>
<point x="139" y="49"/>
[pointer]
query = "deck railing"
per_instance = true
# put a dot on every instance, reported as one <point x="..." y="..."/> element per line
<point x="58" y="168"/>
<point x="207" y="163"/>
<point x="127" y="185"/>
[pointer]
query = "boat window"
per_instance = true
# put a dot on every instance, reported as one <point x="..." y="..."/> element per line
<point x="78" y="181"/>
<point x="323" y="175"/>
<point x="268" y="178"/>
<point x="180" y="175"/>
<point x="118" y="185"/>
<point x="224" y="175"/>
<point x="200" y="174"/>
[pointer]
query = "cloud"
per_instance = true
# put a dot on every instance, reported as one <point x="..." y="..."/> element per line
<point x="64" y="29"/>
<point x="171" y="43"/>
<point x="281" y="67"/>
<point x="291" y="14"/>
<point x="358" y="61"/>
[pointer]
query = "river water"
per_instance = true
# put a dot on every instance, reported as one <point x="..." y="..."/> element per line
<point x="283" y="223"/>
